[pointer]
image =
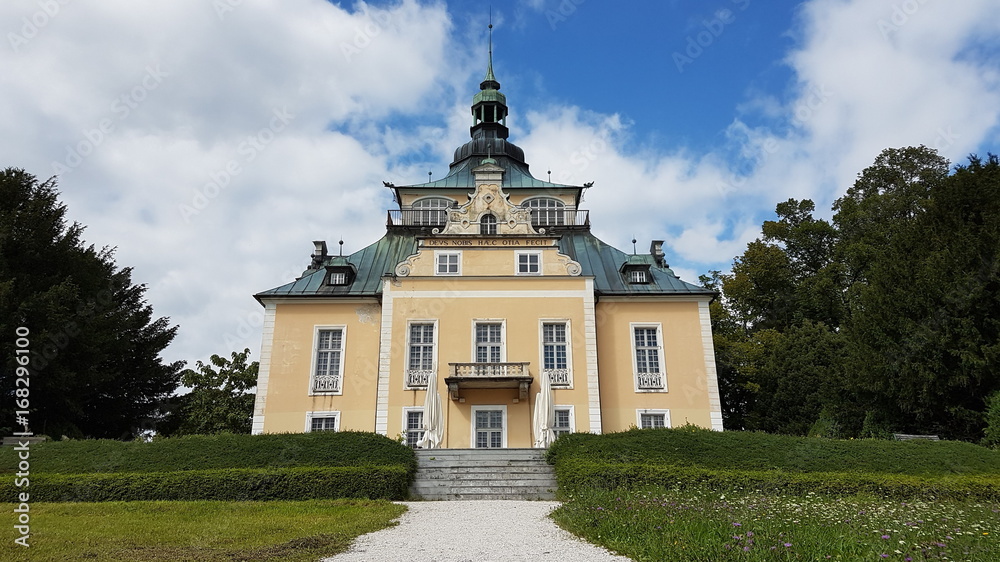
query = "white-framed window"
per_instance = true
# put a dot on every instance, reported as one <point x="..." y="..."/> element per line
<point x="447" y="263"/>
<point x="413" y="421"/>
<point x="638" y="276"/>
<point x="322" y="421"/>
<point x="488" y="225"/>
<point x="488" y="341"/>
<point x="556" y="354"/>
<point x="546" y="211"/>
<point x="489" y="427"/>
<point x="528" y="263"/>
<point x="652" y="419"/>
<point x="565" y="422"/>
<point x="328" y="360"/>
<point x="431" y="210"/>
<point x="647" y="357"/>
<point x="421" y="352"/>
<point x="338" y="278"/>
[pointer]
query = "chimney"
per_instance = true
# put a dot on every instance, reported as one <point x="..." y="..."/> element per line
<point x="656" y="250"/>
<point x="319" y="254"/>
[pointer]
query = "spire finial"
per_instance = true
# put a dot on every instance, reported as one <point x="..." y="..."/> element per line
<point x="489" y="69"/>
<point x="633" y="245"/>
<point x="341" y="247"/>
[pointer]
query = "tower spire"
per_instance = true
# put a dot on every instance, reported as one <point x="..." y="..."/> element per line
<point x="490" y="82"/>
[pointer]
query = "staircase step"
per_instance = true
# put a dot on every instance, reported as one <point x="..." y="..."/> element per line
<point x="467" y="474"/>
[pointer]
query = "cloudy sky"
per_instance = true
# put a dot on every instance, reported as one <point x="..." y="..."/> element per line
<point x="211" y="141"/>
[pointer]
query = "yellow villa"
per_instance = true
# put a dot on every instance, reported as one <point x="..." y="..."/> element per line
<point x="486" y="281"/>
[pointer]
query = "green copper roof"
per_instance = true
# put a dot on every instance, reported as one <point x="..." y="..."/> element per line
<point x="604" y="263"/>
<point x="597" y="259"/>
<point x="489" y="96"/>
<point x="515" y="176"/>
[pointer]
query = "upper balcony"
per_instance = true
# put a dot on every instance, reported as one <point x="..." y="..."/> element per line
<point x="429" y="219"/>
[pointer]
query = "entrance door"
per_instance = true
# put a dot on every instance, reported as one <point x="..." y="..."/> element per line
<point x="489" y="431"/>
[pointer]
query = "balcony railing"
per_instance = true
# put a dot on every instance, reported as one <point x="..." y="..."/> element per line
<point x="488" y="375"/>
<point x="650" y="381"/>
<point x="437" y="218"/>
<point x="326" y="383"/>
<point x="489" y="370"/>
<point x="417" y="377"/>
<point x="429" y="218"/>
<point x="560" y="219"/>
<point x="558" y="377"/>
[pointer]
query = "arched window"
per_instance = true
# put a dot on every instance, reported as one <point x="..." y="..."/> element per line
<point x="488" y="224"/>
<point x="431" y="211"/>
<point x="546" y="211"/>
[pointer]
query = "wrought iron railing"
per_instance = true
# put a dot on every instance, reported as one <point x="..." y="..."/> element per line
<point x="326" y="383"/>
<point x="650" y="381"/>
<point x="489" y="370"/>
<point x="558" y="377"/>
<point x="417" y="377"/>
<point x="430" y="218"/>
<point x="560" y="219"/>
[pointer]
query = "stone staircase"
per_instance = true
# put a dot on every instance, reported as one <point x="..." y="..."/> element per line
<point x="483" y="474"/>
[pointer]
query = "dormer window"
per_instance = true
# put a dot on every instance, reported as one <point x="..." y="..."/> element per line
<point x="488" y="225"/>
<point x="339" y="273"/>
<point x="636" y="271"/>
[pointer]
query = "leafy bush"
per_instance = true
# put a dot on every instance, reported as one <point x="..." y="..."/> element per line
<point x="992" y="434"/>
<point x="686" y="447"/>
<point x="580" y="476"/>
<point x="300" y="483"/>
<point x="210" y="452"/>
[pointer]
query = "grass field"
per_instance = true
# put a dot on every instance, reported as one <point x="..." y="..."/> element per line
<point x="708" y="496"/>
<point x="197" y="531"/>
<point x="694" y="525"/>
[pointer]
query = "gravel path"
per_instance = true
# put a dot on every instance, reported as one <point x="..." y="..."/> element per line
<point x="480" y="531"/>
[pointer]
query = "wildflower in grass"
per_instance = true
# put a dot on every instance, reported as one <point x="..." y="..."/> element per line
<point x="884" y="555"/>
<point x="735" y="524"/>
<point x="788" y="544"/>
<point x="885" y="537"/>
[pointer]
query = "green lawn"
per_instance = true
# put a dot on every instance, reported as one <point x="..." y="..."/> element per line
<point x="200" y="530"/>
<point x="701" y="525"/>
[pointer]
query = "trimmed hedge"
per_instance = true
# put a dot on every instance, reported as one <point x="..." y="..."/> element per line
<point x="575" y="476"/>
<point x="210" y="452"/>
<point x="687" y="446"/>
<point x="301" y="483"/>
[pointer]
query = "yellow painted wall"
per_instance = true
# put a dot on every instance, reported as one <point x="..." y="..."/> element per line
<point x="288" y="397"/>
<point x="493" y="260"/>
<point x="455" y="316"/>
<point x="687" y="394"/>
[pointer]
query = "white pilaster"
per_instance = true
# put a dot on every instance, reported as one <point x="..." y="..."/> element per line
<point x="590" y="345"/>
<point x="264" y="372"/>
<point x="714" y="401"/>
<point x="384" y="360"/>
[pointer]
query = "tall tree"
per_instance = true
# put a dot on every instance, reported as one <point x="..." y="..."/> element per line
<point x="221" y="397"/>
<point x="94" y="342"/>
<point x="924" y="330"/>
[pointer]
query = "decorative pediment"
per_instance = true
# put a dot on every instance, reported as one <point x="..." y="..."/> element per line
<point x="490" y="201"/>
